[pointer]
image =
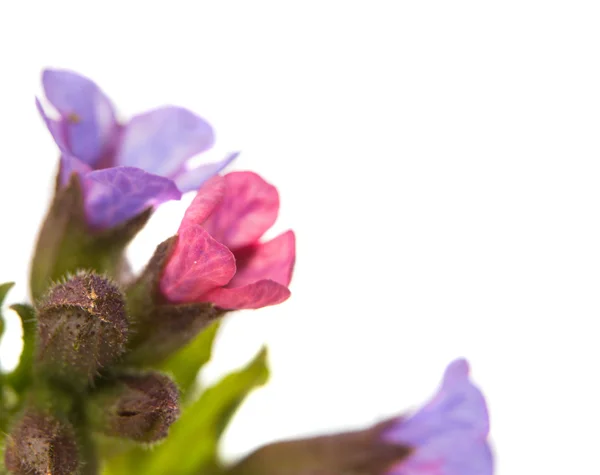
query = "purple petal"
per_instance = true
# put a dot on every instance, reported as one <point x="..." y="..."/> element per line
<point x="160" y="141"/>
<point x="477" y="461"/>
<point x="70" y="165"/>
<point x="56" y="129"/>
<point x="191" y="180"/>
<point x="87" y="115"/>
<point x="114" y="195"/>
<point x="447" y="432"/>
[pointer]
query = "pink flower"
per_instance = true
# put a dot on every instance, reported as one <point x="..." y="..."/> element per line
<point x="219" y="257"/>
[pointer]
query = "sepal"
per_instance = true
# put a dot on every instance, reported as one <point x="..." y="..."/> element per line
<point x="359" y="452"/>
<point x="160" y="328"/>
<point x="66" y="243"/>
<point x="186" y="363"/>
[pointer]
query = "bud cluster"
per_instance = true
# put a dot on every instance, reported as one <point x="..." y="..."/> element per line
<point x="78" y="379"/>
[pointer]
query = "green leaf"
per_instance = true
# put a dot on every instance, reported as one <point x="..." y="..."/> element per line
<point x="4" y="288"/>
<point x="187" y="362"/>
<point x="20" y="378"/>
<point x="18" y="381"/>
<point x="191" y="447"/>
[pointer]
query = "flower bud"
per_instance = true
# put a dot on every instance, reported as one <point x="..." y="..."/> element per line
<point x="160" y="327"/>
<point x="140" y="407"/>
<point x="40" y="444"/>
<point x="82" y="327"/>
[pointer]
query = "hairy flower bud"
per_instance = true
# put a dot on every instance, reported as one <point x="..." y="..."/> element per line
<point x="82" y="328"/>
<point x="40" y="444"/>
<point x="135" y="406"/>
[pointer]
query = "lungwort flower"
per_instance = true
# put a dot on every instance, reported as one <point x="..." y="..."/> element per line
<point x="218" y="256"/>
<point x="448" y="436"/>
<point x="124" y="168"/>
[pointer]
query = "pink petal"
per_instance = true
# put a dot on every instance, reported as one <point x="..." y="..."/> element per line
<point x="207" y="198"/>
<point x="198" y="264"/>
<point x="162" y="140"/>
<point x="257" y="295"/>
<point x="477" y="460"/>
<point x="272" y="260"/>
<point x="248" y="209"/>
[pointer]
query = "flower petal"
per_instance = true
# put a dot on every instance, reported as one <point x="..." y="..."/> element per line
<point x="477" y="461"/>
<point x="272" y="260"/>
<point x="160" y="141"/>
<point x="249" y="208"/>
<point x="198" y="264"/>
<point x="69" y="165"/>
<point x="447" y="430"/>
<point x="190" y="180"/>
<point x="55" y="128"/>
<point x="114" y="195"/>
<point x="257" y="295"/>
<point x="205" y="201"/>
<point x="87" y="114"/>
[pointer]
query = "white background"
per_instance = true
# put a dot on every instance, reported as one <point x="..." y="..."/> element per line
<point x="437" y="160"/>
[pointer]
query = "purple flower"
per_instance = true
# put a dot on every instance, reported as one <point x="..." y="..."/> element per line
<point x="124" y="168"/>
<point x="448" y="435"/>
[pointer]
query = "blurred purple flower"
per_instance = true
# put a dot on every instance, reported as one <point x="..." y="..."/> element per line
<point x="124" y="168"/>
<point x="449" y="434"/>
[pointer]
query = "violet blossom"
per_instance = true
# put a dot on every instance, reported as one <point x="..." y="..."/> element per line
<point x="124" y="168"/>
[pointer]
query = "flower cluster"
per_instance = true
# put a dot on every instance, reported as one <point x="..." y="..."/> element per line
<point x="110" y="359"/>
<point x="124" y="168"/>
